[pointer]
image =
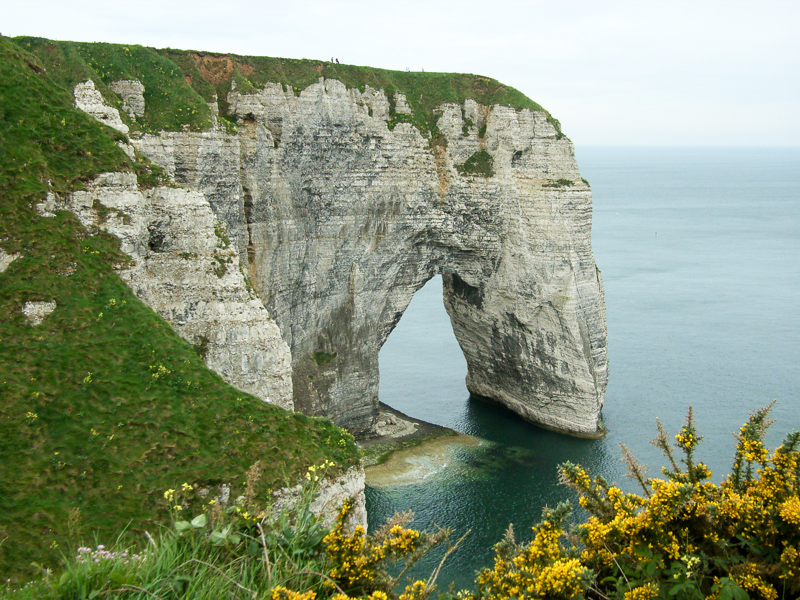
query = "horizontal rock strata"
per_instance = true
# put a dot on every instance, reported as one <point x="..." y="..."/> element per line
<point x="185" y="268"/>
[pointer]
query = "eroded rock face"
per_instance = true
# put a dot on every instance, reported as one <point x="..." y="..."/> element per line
<point x="330" y="494"/>
<point x="132" y="93"/>
<point x="90" y="101"/>
<point x="185" y="268"/>
<point x="340" y="220"/>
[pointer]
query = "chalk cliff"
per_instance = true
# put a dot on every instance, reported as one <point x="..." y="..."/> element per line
<point x="341" y="218"/>
<point x="182" y="266"/>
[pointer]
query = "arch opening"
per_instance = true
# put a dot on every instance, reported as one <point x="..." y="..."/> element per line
<point x="422" y="368"/>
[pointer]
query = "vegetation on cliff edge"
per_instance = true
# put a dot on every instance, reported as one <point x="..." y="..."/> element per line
<point x="179" y="84"/>
<point x="211" y="75"/>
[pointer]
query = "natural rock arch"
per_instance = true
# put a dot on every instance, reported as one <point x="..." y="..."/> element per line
<point x="342" y="220"/>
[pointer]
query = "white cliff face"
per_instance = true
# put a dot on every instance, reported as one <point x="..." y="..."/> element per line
<point x="206" y="161"/>
<point x="132" y="93"/>
<point x="340" y="220"/>
<point x="185" y="268"/>
<point x="6" y="259"/>
<point x="330" y="494"/>
<point x="90" y="101"/>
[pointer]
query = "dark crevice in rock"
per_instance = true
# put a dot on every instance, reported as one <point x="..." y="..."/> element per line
<point x="249" y="131"/>
<point x="158" y="240"/>
<point x="466" y="292"/>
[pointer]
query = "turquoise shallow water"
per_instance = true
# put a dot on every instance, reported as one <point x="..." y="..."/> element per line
<point x="700" y="255"/>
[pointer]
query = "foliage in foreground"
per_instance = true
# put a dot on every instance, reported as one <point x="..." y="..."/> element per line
<point x="244" y="551"/>
<point x="683" y="537"/>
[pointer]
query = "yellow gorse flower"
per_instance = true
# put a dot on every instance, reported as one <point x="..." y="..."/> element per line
<point x="415" y="591"/>
<point x="790" y="510"/>
<point x="282" y="593"/>
<point x="644" y="592"/>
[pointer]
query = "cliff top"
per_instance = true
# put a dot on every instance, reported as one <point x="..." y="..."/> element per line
<point x="179" y="84"/>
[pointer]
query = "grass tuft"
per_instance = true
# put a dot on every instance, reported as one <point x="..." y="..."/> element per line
<point x="560" y="183"/>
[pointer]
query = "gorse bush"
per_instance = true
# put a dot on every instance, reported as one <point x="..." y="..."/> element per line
<point x="683" y="537"/>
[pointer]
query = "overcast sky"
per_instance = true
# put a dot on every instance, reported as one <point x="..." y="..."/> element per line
<point x="712" y="73"/>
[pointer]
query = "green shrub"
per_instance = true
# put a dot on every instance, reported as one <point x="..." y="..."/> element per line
<point x="481" y="164"/>
<point x="324" y="358"/>
<point x="560" y="183"/>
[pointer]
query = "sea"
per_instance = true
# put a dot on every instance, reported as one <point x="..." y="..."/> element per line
<point x="700" y="254"/>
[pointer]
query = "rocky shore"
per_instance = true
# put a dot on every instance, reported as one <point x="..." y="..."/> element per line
<point x="409" y="450"/>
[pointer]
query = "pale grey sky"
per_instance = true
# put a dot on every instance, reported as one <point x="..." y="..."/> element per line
<point x="699" y="72"/>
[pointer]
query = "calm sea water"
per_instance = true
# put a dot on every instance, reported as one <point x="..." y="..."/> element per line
<point x="700" y="255"/>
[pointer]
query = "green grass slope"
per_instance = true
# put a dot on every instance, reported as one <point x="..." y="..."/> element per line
<point x="170" y="101"/>
<point x="211" y="74"/>
<point x="102" y="405"/>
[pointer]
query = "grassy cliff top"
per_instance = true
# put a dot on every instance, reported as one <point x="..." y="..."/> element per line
<point x="180" y="83"/>
<point x="102" y="405"/>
